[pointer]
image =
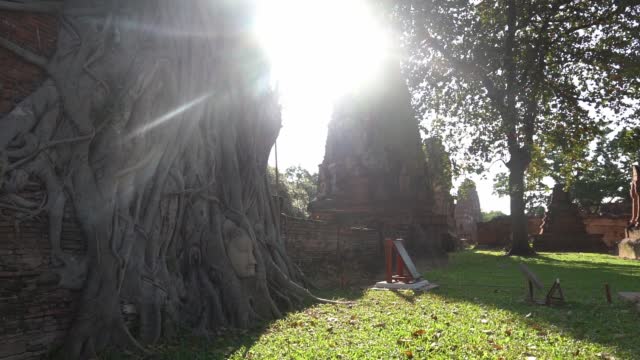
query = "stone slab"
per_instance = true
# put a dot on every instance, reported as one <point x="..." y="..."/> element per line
<point x="632" y="233"/>
<point x="633" y="297"/>
<point x="422" y="285"/>
<point x="629" y="249"/>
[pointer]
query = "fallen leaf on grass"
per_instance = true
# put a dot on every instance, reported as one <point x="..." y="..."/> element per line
<point x="380" y="325"/>
<point x="409" y="354"/>
<point x="418" y="333"/>
<point x="496" y="346"/>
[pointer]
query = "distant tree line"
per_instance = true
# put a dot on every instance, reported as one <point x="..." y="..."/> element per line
<point x="296" y="188"/>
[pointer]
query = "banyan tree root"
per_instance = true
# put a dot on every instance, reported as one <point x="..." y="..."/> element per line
<point x="155" y="127"/>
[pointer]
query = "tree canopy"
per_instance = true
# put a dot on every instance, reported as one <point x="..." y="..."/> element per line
<point x="607" y="173"/>
<point x="490" y="215"/>
<point x="516" y="80"/>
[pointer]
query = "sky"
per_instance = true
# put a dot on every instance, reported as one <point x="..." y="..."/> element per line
<point x="320" y="50"/>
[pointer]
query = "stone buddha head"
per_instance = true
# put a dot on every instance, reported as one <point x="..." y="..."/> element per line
<point x="240" y="250"/>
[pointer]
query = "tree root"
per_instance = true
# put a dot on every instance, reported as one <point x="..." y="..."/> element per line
<point x="153" y="204"/>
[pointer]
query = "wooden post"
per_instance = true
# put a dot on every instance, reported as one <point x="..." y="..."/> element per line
<point x="388" y="252"/>
<point x="607" y="291"/>
<point x="399" y="266"/>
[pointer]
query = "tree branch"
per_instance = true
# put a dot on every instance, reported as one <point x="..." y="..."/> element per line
<point x="510" y="120"/>
<point x="536" y="66"/>
<point x="32" y="6"/>
<point x="24" y="54"/>
<point x="471" y="71"/>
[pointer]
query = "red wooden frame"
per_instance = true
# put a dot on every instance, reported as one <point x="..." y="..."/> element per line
<point x="390" y="251"/>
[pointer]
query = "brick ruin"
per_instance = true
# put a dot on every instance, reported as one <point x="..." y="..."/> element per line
<point x="588" y="232"/>
<point x="562" y="227"/>
<point x="629" y="247"/>
<point x="496" y="233"/>
<point x="332" y="255"/>
<point x="35" y="312"/>
<point x="468" y="215"/>
<point x="34" y="32"/>
<point x="374" y="172"/>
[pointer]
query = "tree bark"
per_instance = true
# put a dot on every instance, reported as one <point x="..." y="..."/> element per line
<point x="155" y="127"/>
<point x="519" y="234"/>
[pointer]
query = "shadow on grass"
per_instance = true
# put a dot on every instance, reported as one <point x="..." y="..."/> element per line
<point x="224" y="342"/>
<point x="495" y="281"/>
<point x="187" y="347"/>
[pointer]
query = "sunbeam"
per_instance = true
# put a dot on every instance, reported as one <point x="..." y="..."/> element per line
<point x="168" y="116"/>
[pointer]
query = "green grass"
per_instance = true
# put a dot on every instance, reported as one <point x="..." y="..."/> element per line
<point x="477" y="313"/>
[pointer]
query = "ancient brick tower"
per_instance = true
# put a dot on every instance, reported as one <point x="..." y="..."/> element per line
<point x="562" y="228"/>
<point x="468" y="214"/>
<point x="374" y="170"/>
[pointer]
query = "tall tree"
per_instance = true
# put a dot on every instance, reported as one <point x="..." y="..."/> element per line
<point x="498" y="76"/>
<point x="154" y="126"/>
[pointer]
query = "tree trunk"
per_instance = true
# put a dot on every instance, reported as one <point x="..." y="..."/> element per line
<point x="156" y="126"/>
<point x="519" y="234"/>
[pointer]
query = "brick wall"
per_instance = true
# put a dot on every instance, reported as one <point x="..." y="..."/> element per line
<point x="610" y="227"/>
<point x="35" y="313"/>
<point x="333" y="255"/>
<point x="34" y="32"/>
<point x="496" y="233"/>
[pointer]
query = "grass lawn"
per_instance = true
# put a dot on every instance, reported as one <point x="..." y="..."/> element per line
<point x="477" y="313"/>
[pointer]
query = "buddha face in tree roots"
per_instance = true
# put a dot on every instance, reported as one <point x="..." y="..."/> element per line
<point x="239" y="250"/>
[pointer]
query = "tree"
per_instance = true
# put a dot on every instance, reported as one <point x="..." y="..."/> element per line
<point x="497" y="76"/>
<point x="601" y="175"/>
<point x="607" y="173"/>
<point x="438" y="164"/>
<point x="297" y="187"/>
<point x="488" y="216"/>
<point x="466" y="188"/>
<point x="304" y="187"/>
<point x="154" y="126"/>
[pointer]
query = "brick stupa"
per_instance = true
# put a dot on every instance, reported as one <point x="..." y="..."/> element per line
<point x="629" y="247"/>
<point x="468" y="214"/>
<point x="562" y="228"/>
<point x="374" y="172"/>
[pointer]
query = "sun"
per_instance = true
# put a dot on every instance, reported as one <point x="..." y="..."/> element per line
<point x="321" y="48"/>
<point x="319" y="51"/>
